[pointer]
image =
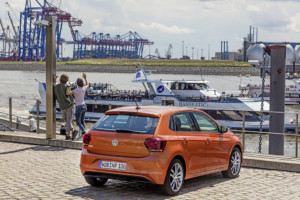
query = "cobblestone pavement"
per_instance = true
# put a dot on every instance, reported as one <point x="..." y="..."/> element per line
<point x="42" y="172"/>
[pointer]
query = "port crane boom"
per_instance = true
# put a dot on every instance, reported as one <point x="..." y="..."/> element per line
<point x="2" y="27"/>
<point x="12" y="24"/>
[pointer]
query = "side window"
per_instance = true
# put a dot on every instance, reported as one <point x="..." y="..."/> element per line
<point x="205" y="123"/>
<point x="181" y="122"/>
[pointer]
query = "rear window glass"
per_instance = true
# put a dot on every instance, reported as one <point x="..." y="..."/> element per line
<point x="127" y="124"/>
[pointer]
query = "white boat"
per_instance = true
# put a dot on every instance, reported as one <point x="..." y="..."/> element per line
<point x="180" y="93"/>
<point x="292" y="92"/>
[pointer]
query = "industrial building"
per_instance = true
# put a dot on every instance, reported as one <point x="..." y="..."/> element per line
<point x="253" y="50"/>
<point x="225" y="54"/>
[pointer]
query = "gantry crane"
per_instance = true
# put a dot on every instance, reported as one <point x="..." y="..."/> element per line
<point x="32" y="39"/>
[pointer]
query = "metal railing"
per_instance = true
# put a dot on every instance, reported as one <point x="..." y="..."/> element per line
<point x="295" y="135"/>
<point x="18" y="120"/>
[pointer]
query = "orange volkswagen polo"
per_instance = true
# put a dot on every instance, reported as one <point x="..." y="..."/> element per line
<point x="162" y="145"/>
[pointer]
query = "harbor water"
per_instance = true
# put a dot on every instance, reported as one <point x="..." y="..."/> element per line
<point x="22" y="87"/>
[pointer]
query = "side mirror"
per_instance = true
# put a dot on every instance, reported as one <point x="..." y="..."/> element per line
<point x="223" y="129"/>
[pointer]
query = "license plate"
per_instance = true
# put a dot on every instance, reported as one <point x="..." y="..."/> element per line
<point x="112" y="165"/>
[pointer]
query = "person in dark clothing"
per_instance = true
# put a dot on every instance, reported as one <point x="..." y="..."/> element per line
<point x="66" y="104"/>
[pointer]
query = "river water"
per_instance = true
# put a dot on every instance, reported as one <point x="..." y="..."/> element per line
<point x="22" y="87"/>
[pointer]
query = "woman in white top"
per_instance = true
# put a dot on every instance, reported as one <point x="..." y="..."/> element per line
<point x="79" y="94"/>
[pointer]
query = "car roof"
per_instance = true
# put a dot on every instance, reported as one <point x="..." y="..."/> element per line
<point x="151" y="111"/>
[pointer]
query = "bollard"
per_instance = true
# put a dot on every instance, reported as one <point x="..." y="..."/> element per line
<point x="37" y="116"/>
<point x="10" y="112"/>
<point x="296" y="135"/>
<point x="277" y="95"/>
<point x="17" y="122"/>
<point x="243" y="129"/>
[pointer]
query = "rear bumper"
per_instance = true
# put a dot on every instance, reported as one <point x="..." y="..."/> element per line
<point x="147" y="169"/>
<point x="116" y="176"/>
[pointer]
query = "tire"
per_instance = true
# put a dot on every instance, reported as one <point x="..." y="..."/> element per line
<point x="174" y="178"/>
<point x="234" y="165"/>
<point x="93" y="181"/>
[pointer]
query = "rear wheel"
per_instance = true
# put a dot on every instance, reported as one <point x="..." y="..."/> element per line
<point x="174" y="178"/>
<point x="234" y="166"/>
<point x="93" y="181"/>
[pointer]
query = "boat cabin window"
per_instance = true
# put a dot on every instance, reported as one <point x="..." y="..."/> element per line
<point x="189" y="86"/>
<point x="174" y="86"/>
<point x="201" y="86"/>
<point x="289" y="95"/>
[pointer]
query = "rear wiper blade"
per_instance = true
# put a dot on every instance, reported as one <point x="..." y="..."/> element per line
<point x="126" y="131"/>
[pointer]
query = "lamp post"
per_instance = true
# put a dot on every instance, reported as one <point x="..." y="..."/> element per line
<point x="192" y="53"/>
<point x="186" y="52"/>
<point x="182" y="49"/>
<point x="50" y="24"/>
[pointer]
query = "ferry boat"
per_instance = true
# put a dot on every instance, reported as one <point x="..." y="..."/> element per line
<point x="227" y="110"/>
<point x="292" y="92"/>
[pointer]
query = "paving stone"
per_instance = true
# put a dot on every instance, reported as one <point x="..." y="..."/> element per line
<point x="42" y="172"/>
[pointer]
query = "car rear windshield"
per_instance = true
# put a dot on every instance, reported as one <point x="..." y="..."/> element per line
<point x="127" y="124"/>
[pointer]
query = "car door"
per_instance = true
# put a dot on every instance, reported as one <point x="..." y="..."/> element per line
<point x="217" y="145"/>
<point x="192" y="141"/>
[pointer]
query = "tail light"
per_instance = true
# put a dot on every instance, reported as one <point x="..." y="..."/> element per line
<point x="155" y="144"/>
<point x="86" y="139"/>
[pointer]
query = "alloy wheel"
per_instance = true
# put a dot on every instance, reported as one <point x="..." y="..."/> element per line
<point x="236" y="163"/>
<point x="176" y="177"/>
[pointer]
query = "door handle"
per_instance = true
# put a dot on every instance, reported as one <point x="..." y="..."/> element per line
<point x="208" y="141"/>
<point x="185" y="141"/>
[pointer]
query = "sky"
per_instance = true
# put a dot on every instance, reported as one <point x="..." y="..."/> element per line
<point x="198" y="24"/>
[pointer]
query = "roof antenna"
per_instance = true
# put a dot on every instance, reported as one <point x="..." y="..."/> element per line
<point x="137" y="106"/>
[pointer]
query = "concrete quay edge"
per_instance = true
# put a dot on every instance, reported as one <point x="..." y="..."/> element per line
<point x="253" y="160"/>
<point x="40" y="139"/>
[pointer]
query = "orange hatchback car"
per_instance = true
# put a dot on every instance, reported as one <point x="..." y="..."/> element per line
<point x="162" y="145"/>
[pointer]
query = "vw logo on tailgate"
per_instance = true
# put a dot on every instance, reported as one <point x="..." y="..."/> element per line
<point x="115" y="142"/>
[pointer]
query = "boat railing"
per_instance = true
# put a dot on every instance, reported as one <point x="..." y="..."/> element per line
<point x="118" y="96"/>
